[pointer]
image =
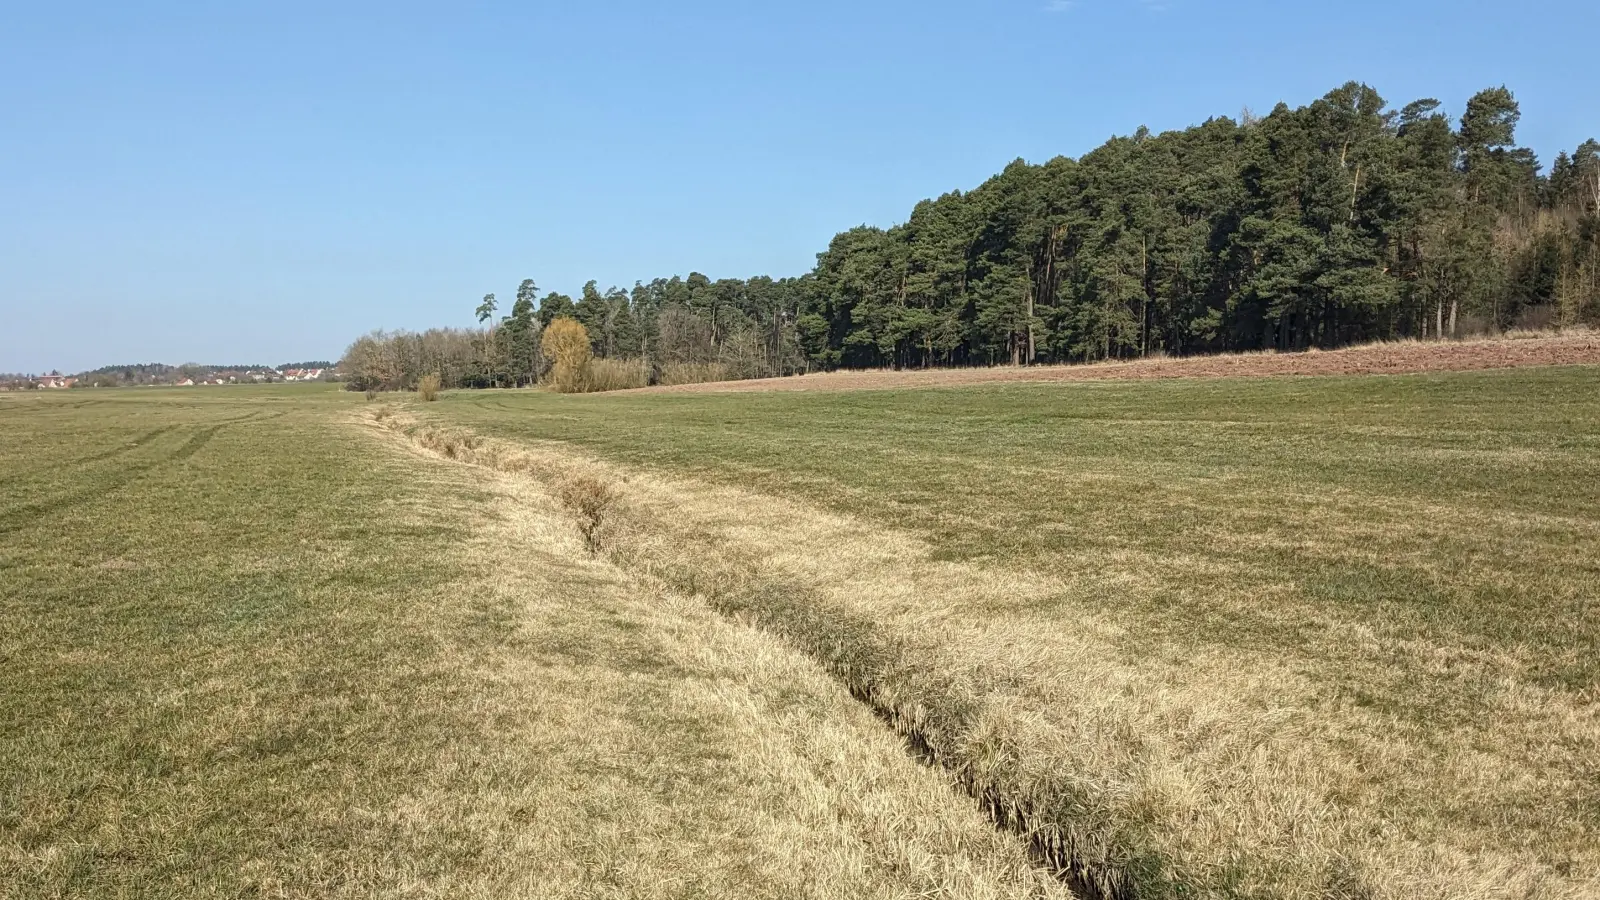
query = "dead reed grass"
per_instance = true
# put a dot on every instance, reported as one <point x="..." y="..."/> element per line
<point x="684" y="373"/>
<point x="607" y="374"/>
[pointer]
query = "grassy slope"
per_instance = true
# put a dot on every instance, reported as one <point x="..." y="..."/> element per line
<point x="1381" y="589"/>
<point x="254" y="649"/>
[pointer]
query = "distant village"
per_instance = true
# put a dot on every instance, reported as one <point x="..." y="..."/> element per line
<point x="160" y="375"/>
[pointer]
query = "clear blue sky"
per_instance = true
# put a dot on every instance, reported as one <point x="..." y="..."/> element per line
<point x="261" y="182"/>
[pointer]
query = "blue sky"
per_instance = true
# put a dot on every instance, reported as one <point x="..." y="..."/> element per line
<point x="244" y="182"/>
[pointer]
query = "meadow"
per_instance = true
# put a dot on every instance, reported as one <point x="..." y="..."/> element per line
<point x="255" y="647"/>
<point x="1292" y="637"/>
<point x="1320" y="637"/>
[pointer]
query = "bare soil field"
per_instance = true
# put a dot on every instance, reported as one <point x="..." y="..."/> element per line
<point x="1395" y="358"/>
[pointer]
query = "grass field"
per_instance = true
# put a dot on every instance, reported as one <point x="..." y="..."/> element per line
<point x="1311" y="637"/>
<point x="255" y="647"/>
<point x="1252" y="638"/>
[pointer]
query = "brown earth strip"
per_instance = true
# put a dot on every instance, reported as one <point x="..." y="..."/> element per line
<point x="1398" y="358"/>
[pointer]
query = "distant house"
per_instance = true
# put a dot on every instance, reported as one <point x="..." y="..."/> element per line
<point x="302" y="374"/>
<point x="187" y="382"/>
<point x="56" y="382"/>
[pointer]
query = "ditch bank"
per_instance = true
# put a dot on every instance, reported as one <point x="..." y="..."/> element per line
<point x="942" y="716"/>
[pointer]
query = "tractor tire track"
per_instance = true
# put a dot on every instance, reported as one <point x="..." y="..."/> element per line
<point x="119" y="450"/>
<point x="28" y="514"/>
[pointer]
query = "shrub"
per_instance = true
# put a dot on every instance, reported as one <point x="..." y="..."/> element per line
<point x="428" y="388"/>
<point x="617" y="374"/>
<point x="371" y="395"/>
<point x="1536" y="318"/>
<point x="693" y="373"/>
<point x="452" y="445"/>
<point x="588" y="498"/>
<point x="565" y="346"/>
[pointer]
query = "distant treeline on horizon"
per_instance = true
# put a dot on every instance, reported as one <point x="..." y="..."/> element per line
<point x="1338" y="222"/>
<point x="160" y="373"/>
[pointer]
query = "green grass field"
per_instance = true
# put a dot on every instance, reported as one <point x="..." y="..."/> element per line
<point x="1301" y="638"/>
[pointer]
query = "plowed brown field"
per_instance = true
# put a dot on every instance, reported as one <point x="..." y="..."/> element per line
<point x="1368" y="359"/>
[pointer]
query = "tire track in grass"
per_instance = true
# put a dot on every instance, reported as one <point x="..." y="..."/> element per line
<point x="54" y="405"/>
<point x="129" y="447"/>
<point x="27" y="514"/>
<point x="121" y="449"/>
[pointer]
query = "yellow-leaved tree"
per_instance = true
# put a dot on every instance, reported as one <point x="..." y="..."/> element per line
<point x="566" y="347"/>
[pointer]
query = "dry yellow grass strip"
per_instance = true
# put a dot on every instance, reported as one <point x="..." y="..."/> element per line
<point x="647" y="747"/>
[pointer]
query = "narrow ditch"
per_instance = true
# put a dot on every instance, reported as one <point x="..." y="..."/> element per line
<point x="1098" y="863"/>
<point x="1095" y="862"/>
<point x="1045" y="846"/>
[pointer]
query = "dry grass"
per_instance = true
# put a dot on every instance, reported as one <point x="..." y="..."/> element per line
<point x="360" y="672"/>
<point x="750" y="773"/>
<point x="1517" y="349"/>
<point x="607" y="374"/>
<point x="589" y="499"/>
<point x="1194" y="674"/>
<point x="428" y="388"/>
<point x="679" y="374"/>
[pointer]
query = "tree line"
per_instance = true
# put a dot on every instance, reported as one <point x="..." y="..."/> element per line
<point x="1337" y="222"/>
<point x="684" y="328"/>
<point x="160" y="373"/>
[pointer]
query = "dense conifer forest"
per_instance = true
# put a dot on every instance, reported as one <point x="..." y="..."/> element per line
<point x="1343" y="221"/>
